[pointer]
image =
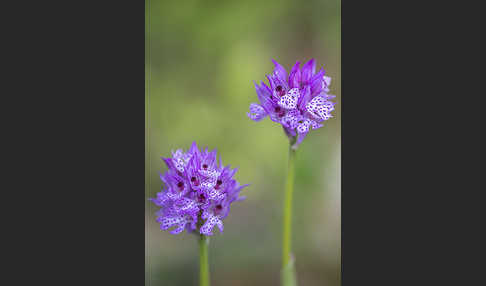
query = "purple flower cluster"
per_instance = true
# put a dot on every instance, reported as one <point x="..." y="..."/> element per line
<point x="198" y="192"/>
<point x="299" y="101"/>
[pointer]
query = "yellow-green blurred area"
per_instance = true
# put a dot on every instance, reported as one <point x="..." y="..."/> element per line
<point x="201" y="60"/>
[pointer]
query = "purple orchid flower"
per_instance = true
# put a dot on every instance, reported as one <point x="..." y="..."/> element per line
<point x="299" y="100"/>
<point x="197" y="193"/>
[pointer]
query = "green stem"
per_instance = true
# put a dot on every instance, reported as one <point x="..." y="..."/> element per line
<point x="288" y="271"/>
<point x="203" y="261"/>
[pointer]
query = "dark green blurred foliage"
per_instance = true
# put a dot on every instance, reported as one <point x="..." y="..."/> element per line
<point x="201" y="59"/>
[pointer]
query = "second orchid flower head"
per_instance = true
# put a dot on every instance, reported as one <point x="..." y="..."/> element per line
<point x="198" y="192"/>
<point x="297" y="100"/>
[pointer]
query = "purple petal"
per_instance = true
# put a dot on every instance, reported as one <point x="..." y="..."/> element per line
<point x="317" y="82"/>
<point x="257" y="112"/>
<point x="168" y="162"/>
<point x="300" y="138"/>
<point x="308" y="70"/>
<point x="306" y="96"/>
<point x="193" y="148"/>
<point x="270" y="81"/>
<point x="289" y="132"/>
<point x="264" y="97"/>
<point x="295" y="76"/>
<point x="279" y="71"/>
<point x="269" y="91"/>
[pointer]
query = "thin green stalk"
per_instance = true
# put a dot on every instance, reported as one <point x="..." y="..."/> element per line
<point x="288" y="270"/>
<point x="203" y="261"/>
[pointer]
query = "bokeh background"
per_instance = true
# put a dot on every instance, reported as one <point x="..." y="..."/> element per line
<point x="201" y="59"/>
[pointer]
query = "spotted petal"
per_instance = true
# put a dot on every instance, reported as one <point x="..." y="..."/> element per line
<point x="177" y="220"/>
<point x="257" y="112"/>
<point x="291" y="119"/>
<point x="179" y="164"/>
<point x="211" y="175"/>
<point x="212" y="220"/>
<point x="319" y="107"/>
<point x="303" y="126"/>
<point x="215" y="195"/>
<point x="289" y="100"/>
<point x="185" y="205"/>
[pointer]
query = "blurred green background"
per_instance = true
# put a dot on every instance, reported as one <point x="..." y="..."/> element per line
<point x="201" y="59"/>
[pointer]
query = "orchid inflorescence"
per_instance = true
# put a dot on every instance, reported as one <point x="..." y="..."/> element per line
<point x="299" y="101"/>
<point x="198" y="192"/>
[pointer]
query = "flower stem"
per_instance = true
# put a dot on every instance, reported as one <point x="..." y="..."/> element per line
<point x="203" y="261"/>
<point x="288" y="271"/>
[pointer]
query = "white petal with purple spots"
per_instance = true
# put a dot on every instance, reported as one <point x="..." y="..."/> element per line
<point x="179" y="164"/>
<point x="178" y="220"/>
<point x="208" y="185"/>
<point x="303" y="126"/>
<point x="215" y="195"/>
<point x="320" y="108"/>
<point x="210" y="174"/>
<point x="212" y="220"/>
<point x="289" y="100"/>
<point x="291" y="119"/>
